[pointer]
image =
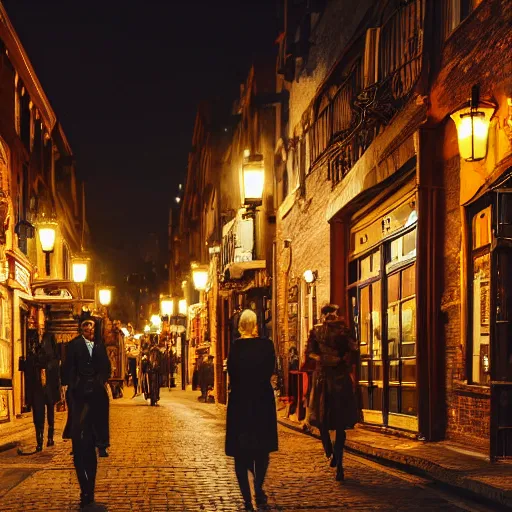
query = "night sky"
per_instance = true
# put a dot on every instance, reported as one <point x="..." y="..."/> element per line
<point x="124" y="78"/>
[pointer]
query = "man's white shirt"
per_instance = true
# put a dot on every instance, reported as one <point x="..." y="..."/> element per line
<point x="89" y="343"/>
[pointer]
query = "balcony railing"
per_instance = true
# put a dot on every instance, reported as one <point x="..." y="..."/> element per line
<point x="347" y="125"/>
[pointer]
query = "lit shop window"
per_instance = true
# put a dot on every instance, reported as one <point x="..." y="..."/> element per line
<point x="481" y="303"/>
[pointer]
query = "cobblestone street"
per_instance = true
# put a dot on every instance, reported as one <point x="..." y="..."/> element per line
<point x="172" y="458"/>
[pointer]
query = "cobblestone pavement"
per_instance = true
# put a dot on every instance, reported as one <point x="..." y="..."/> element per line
<point x="171" y="458"/>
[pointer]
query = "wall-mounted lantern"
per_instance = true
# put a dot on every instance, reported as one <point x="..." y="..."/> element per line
<point x="156" y="321"/>
<point x="79" y="269"/>
<point x="472" y="122"/>
<point x="105" y="296"/>
<point x="253" y="172"/>
<point x="199" y="276"/>
<point x="310" y="276"/>
<point x="166" y="306"/>
<point x="147" y="328"/>
<point x="182" y="307"/>
<point x="47" y="234"/>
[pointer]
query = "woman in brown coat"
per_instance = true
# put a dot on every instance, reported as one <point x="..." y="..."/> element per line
<point x="251" y="430"/>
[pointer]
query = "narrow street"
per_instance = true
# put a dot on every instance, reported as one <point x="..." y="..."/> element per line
<point x="172" y="458"/>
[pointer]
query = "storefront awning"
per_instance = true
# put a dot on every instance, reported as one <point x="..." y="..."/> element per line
<point x="57" y="291"/>
<point x="236" y="270"/>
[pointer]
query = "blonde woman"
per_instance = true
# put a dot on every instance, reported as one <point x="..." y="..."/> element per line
<point x="251" y="430"/>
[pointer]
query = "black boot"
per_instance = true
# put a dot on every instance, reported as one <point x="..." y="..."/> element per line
<point x="39" y="439"/>
<point x="50" y="437"/>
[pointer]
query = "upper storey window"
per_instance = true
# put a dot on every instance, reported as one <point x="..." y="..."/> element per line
<point x="455" y="12"/>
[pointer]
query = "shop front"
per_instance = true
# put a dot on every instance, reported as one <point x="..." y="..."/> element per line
<point x="382" y="270"/>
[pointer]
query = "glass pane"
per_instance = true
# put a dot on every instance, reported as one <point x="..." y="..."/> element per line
<point x="377" y="374"/>
<point x="394" y="375"/>
<point x="393" y="399"/>
<point x="409" y="244"/>
<point x="409" y="282"/>
<point x="366" y="268"/>
<point x="409" y="321"/>
<point x="376" y="324"/>
<point x="376" y="263"/>
<point x="408" y="350"/>
<point x="364" y="318"/>
<point x="365" y="397"/>
<point x="393" y="287"/>
<point x="377" y="398"/>
<point x="364" y="372"/>
<point x="409" y="370"/>
<point x="393" y="331"/>
<point x="481" y="318"/>
<point x="409" y="405"/>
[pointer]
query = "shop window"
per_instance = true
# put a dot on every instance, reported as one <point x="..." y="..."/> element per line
<point x="481" y="299"/>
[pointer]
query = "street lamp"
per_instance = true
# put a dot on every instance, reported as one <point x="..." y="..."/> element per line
<point x="199" y="276"/>
<point x="254" y="179"/>
<point x="166" y="306"/>
<point x="472" y="122"/>
<point x="182" y="307"/>
<point x="80" y="266"/>
<point x="147" y="328"/>
<point x="105" y="296"/>
<point x="310" y="276"/>
<point x="156" y="321"/>
<point x="47" y="239"/>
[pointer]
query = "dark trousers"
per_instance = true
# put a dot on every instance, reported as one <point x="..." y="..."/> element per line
<point x="258" y="467"/>
<point x="41" y="407"/>
<point x="84" y="454"/>
<point x="339" y="444"/>
<point x="132" y="366"/>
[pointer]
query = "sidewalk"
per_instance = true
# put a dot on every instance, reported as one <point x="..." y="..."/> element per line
<point x="443" y="461"/>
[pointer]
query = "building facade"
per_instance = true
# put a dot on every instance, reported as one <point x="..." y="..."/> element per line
<point x="38" y="190"/>
<point x="392" y="223"/>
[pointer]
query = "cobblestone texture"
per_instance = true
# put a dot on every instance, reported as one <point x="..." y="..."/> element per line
<point x="171" y="458"/>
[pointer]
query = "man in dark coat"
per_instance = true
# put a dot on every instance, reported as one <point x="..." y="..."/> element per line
<point x="42" y="384"/>
<point x="333" y="402"/>
<point x="85" y="372"/>
<point x="154" y="371"/>
<point x="206" y="377"/>
<point x="251" y="428"/>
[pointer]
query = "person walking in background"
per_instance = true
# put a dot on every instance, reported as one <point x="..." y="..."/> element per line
<point x="42" y="384"/>
<point x="333" y="404"/>
<point x="85" y="371"/>
<point x="132" y="353"/>
<point x="251" y="428"/>
<point x="206" y="378"/>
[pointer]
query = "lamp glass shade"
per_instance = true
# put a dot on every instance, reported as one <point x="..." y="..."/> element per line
<point x="156" y="320"/>
<point x="473" y="131"/>
<point x="254" y="180"/>
<point x="309" y="276"/>
<point x="167" y="307"/>
<point x="79" y="271"/>
<point x="147" y="328"/>
<point x="105" y="296"/>
<point x="47" y="239"/>
<point x="182" y="307"/>
<point x="200" y="278"/>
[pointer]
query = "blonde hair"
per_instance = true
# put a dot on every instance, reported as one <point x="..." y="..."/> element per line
<point x="248" y="323"/>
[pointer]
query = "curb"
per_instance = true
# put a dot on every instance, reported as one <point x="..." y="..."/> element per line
<point x="421" y="467"/>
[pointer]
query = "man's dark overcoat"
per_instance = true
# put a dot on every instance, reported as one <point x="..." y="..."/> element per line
<point x="333" y="404"/>
<point x="85" y="376"/>
<point x="251" y="428"/>
<point x="45" y="357"/>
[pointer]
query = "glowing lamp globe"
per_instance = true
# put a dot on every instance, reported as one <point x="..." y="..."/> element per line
<point x="472" y="123"/>
<point x="254" y="179"/>
<point x="79" y="271"/>
<point x="199" y="277"/>
<point x="182" y="307"/>
<point x="105" y="296"/>
<point x="47" y="238"/>
<point x="167" y="306"/>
